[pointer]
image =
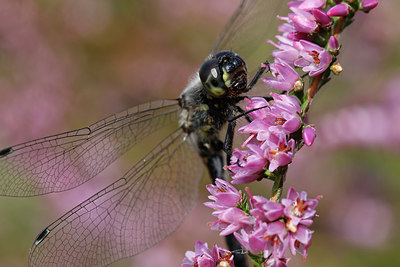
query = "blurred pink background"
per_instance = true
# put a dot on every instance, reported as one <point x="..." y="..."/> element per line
<point x="66" y="64"/>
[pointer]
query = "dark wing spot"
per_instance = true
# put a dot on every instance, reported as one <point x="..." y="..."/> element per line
<point x="41" y="236"/>
<point x="6" y="151"/>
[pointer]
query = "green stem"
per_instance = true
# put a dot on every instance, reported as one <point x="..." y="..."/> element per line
<point x="277" y="187"/>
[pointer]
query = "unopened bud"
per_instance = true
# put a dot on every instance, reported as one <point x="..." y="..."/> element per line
<point x="322" y="18"/>
<point x="298" y="85"/>
<point x="309" y="135"/>
<point x="339" y="10"/>
<point x="367" y="5"/>
<point x="336" y="68"/>
<point x="333" y="45"/>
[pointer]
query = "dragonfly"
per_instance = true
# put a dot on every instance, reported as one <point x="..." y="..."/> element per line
<point x="151" y="199"/>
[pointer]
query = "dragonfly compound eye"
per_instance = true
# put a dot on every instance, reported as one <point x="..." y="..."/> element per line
<point x="211" y="78"/>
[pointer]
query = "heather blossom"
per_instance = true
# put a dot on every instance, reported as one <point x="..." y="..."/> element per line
<point x="303" y="21"/>
<point x="287" y="51"/>
<point x="247" y="165"/>
<point x="223" y="194"/>
<point x="299" y="209"/>
<point x="226" y="202"/>
<point x="270" y="228"/>
<point x="285" y="77"/>
<point x="308" y="5"/>
<point x="314" y="59"/>
<point x="204" y="257"/>
<point x="280" y="151"/>
<point x="269" y="145"/>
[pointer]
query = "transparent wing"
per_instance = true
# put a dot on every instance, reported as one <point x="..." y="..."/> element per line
<point x="130" y="215"/>
<point x="64" y="161"/>
<point x="251" y="25"/>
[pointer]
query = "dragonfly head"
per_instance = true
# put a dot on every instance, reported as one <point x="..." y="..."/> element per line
<point x="225" y="74"/>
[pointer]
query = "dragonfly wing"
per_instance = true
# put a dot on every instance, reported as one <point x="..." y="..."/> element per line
<point x="130" y="215"/>
<point x="64" y="161"/>
<point x="251" y="25"/>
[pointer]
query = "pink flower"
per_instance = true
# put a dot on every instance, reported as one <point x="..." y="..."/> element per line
<point x="300" y="241"/>
<point x="268" y="137"/>
<point x="308" y="5"/>
<point x="224" y="195"/>
<point x="276" y="262"/>
<point x="276" y="239"/>
<point x="284" y="77"/>
<point x="303" y="21"/>
<point x="314" y="59"/>
<point x="265" y="210"/>
<point x="254" y="240"/>
<point x="285" y="103"/>
<point x="281" y="116"/>
<point x="247" y="166"/>
<point x="204" y="257"/>
<point x="231" y="220"/>
<point x="299" y="209"/>
<point x="280" y="151"/>
<point x="268" y="238"/>
<point x="256" y="104"/>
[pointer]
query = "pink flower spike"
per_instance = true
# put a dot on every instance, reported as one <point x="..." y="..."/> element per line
<point x="367" y="5"/>
<point x="284" y="77"/>
<point x="322" y="18"/>
<point x="309" y="135"/>
<point x="339" y="10"/>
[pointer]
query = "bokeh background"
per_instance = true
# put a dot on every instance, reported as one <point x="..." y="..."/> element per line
<point x="65" y="64"/>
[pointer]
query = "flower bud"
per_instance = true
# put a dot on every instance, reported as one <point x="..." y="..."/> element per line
<point x="367" y="5"/>
<point x="339" y="10"/>
<point x="333" y="45"/>
<point x="309" y="135"/>
<point x="322" y="18"/>
<point x="336" y="68"/>
<point x="298" y="85"/>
